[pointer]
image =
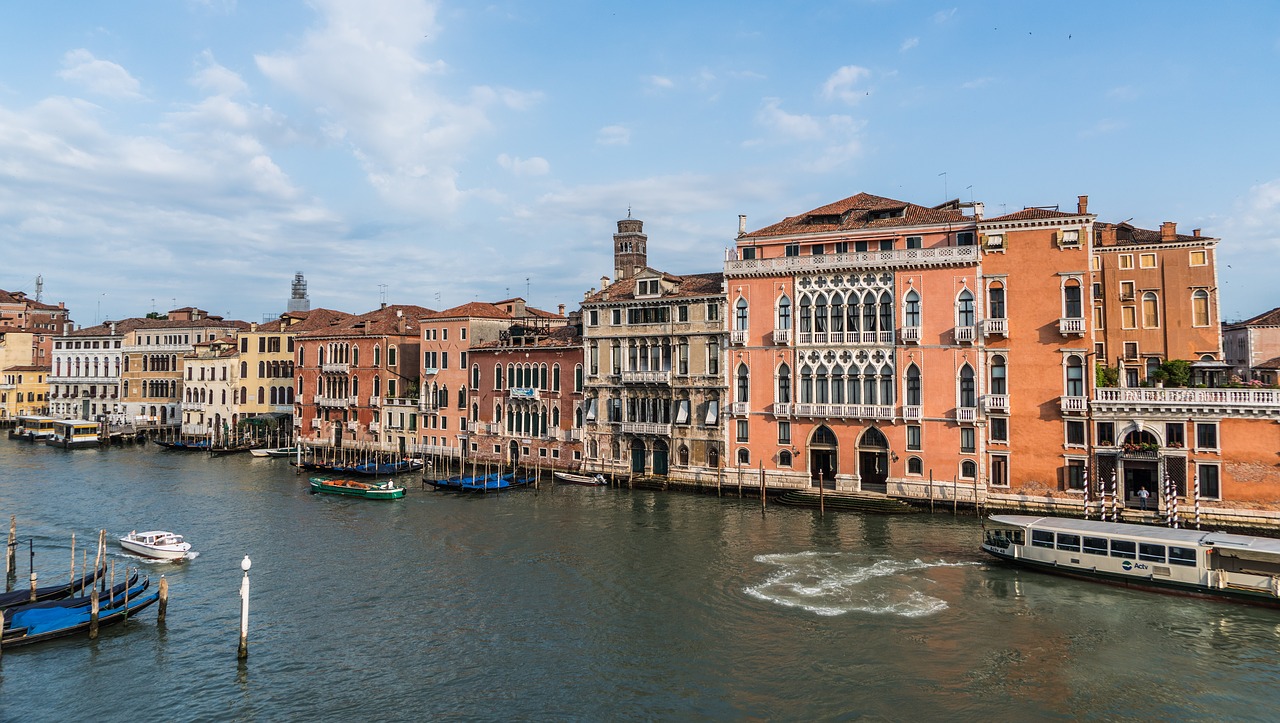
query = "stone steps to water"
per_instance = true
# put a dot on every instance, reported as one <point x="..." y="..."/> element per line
<point x="853" y="502"/>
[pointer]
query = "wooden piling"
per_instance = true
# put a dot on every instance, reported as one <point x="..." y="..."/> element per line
<point x="93" y="614"/>
<point x="822" y="494"/>
<point x="72" y="580"/>
<point x="763" y="495"/>
<point x="11" y="549"/>
<point x="164" y="599"/>
<point x="930" y="491"/>
<point x="955" y="497"/>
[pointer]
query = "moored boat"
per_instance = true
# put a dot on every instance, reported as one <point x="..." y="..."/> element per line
<point x="356" y="488"/>
<point x="40" y="625"/>
<point x="581" y="479"/>
<point x="1192" y="562"/>
<point x="49" y="592"/>
<point x="274" y="452"/>
<point x="188" y="445"/>
<point x="73" y="434"/>
<point x="32" y="427"/>
<point x="156" y="544"/>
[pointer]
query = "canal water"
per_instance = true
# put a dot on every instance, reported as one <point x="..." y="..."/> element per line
<point x="575" y="603"/>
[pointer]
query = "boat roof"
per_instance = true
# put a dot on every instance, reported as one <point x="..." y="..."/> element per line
<point x="1223" y="540"/>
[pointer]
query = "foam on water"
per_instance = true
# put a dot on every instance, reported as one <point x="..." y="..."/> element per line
<point x="836" y="583"/>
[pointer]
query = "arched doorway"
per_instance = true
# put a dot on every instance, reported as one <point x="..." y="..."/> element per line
<point x="660" y="455"/>
<point x="513" y="454"/>
<point x="873" y="460"/>
<point x="823" y="455"/>
<point x="637" y="456"/>
<point x="1141" y="468"/>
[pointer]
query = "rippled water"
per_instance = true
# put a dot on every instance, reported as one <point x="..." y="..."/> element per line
<point x="576" y="603"/>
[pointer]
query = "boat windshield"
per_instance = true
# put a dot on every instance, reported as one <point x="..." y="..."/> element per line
<point x="1003" y="537"/>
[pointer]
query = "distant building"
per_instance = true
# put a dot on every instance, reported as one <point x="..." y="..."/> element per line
<point x="23" y="390"/>
<point x="151" y="375"/>
<point x="44" y="321"/>
<point x="85" y="381"/>
<point x="1252" y="347"/>
<point x="298" y="299"/>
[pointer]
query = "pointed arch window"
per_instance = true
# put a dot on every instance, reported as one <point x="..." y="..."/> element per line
<point x="911" y="311"/>
<point x="820" y="314"/>
<point x="784" y="384"/>
<point x="806" y="316"/>
<point x="806" y="384"/>
<point x="886" y="384"/>
<point x="868" y="312"/>
<point x="913" y="385"/>
<point x="886" y="312"/>
<point x="784" y="313"/>
<point x="837" y="385"/>
<point x="964" y="308"/>
<point x="744" y="384"/>
<point x="968" y="393"/>
<point x="837" y="313"/>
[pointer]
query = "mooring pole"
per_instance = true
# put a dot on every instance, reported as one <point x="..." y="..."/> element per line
<point x="31" y="549"/>
<point x="72" y="581"/>
<point x="244" y="610"/>
<point x="11" y="552"/>
<point x="164" y="599"/>
<point x="93" y="613"/>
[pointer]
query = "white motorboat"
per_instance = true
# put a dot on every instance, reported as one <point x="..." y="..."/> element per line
<point x="581" y="479"/>
<point x="157" y="544"/>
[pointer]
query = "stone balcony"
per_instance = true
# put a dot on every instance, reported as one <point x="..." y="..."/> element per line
<point x="883" y="412"/>
<point x="646" y="377"/>
<point x="1074" y="404"/>
<point x="331" y="402"/>
<point x="662" y="430"/>
<point x="964" y="335"/>
<point x="782" y="409"/>
<point x="523" y="393"/>
<point x="1070" y="327"/>
<point x="868" y="260"/>
<point x="910" y="335"/>
<point x="995" y="403"/>
<point x="826" y="338"/>
<point x="740" y="409"/>
<point x="966" y="415"/>
<point x="782" y="337"/>
<point x="912" y="412"/>
<point x="335" y="368"/>
<point x="995" y="327"/>
<point x="1171" y="402"/>
<point x="738" y="337"/>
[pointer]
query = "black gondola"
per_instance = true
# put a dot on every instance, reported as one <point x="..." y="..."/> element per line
<point x="48" y="592"/>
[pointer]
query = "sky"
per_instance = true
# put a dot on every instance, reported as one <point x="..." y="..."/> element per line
<point x="172" y="153"/>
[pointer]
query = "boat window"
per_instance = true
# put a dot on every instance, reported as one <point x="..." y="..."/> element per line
<point x="1095" y="545"/>
<point x="1153" y="553"/>
<point x="1182" y="556"/>
<point x="1068" y="542"/>
<point x="1123" y="548"/>
<point x="1041" y="538"/>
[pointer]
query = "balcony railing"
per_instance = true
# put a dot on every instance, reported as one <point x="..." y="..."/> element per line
<point x="995" y="327"/>
<point x="192" y="406"/>
<point x="335" y="368"/>
<point x="315" y="423"/>
<point x="1256" y="402"/>
<point x="331" y="402"/>
<point x="910" y="335"/>
<point x="646" y="377"/>
<point x="374" y="427"/>
<point x="738" y="337"/>
<point x="891" y="259"/>
<point x="353" y="425"/>
<point x="1074" y="404"/>
<point x="995" y="403"/>
<point x="912" y="412"/>
<point x="1067" y="327"/>
<point x="663" y="430"/>
<point x="782" y="336"/>
<point x="964" y="334"/>
<point x="740" y="409"/>
<point x="782" y="409"/>
<point x="849" y="411"/>
<point x="966" y="414"/>
<point x="399" y="402"/>
<point x="375" y="401"/>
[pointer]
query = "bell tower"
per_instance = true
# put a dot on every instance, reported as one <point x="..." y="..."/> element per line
<point x="629" y="254"/>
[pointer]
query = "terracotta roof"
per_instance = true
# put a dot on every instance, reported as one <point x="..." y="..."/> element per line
<point x="687" y="285"/>
<point x="542" y="313"/>
<point x="1269" y="364"/>
<point x="314" y="319"/>
<point x="30" y="368"/>
<point x="1268" y="318"/>
<point x="559" y="337"/>
<point x="863" y="211"/>
<point x="1032" y="214"/>
<point x="124" y="326"/>
<point x="473" y="310"/>
<point x="1129" y="234"/>
<point x="379" y="322"/>
<point x="191" y="324"/>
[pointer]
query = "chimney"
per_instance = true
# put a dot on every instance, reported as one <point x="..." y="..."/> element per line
<point x="742" y="224"/>
<point x="560" y="309"/>
<point x="1195" y="232"/>
<point x="113" y="328"/>
<point x="979" y="210"/>
<point x="1082" y="205"/>
<point x="604" y="281"/>
<point x="1168" y="230"/>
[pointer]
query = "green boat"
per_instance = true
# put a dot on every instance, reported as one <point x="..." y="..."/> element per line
<point x="356" y="488"/>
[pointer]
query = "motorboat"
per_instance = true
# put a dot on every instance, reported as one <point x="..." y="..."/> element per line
<point x="156" y="544"/>
<point x="356" y="488"/>
<point x="581" y="479"/>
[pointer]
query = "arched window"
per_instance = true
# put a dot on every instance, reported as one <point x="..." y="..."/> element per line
<point x="784" y="313"/>
<point x="744" y="384"/>
<point x="911" y="309"/>
<point x="868" y="312"/>
<point x="391" y="356"/>
<point x="274" y="396"/>
<point x="377" y="385"/>
<point x="262" y="370"/>
<point x="1150" y="310"/>
<point x="806" y="384"/>
<point x="999" y="379"/>
<point x="820" y="314"/>
<point x="964" y="308"/>
<point x="837" y="384"/>
<point x="682" y="455"/>
<point x="837" y="313"/>
<point x="913" y="385"/>
<point x="995" y="301"/>
<point x="355" y="356"/>
<point x="555" y="417"/>
<point x="302" y="356"/>
<point x="740" y="315"/>
<point x="377" y="356"/>
<point x="886" y="312"/>
<point x="886" y="384"/>
<point x="321" y="352"/>
<point x="713" y="456"/>
<point x="744" y="456"/>
<point x="1075" y="376"/>
<point x="821" y="386"/>
<point x="968" y="397"/>
<point x="968" y="470"/>
<point x="915" y="465"/>
<point x="784" y="384"/>
<point x="851" y="313"/>
<point x="1071" y="300"/>
<point x="784" y="458"/>
<point x="1200" y="307"/>
<point x="555" y="377"/>
<point x="806" y="316"/>
<point x="262" y="395"/>
<point x="497" y="376"/>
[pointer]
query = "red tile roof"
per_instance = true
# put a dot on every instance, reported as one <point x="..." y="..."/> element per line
<point x="685" y="286"/>
<point x="1267" y="318"/>
<point x="1032" y="214"/>
<point x="473" y="310"/>
<point x="379" y="322"/>
<point x="863" y="211"/>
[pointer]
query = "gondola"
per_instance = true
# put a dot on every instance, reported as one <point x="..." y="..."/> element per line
<point x="51" y="625"/>
<point x="381" y="469"/>
<point x="455" y="484"/>
<point x="75" y="602"/>
<point x="48" y="592"/>
<point x="195" y="445"/>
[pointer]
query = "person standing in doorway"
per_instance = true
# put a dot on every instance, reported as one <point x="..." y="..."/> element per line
<point x="1143" y="494"/>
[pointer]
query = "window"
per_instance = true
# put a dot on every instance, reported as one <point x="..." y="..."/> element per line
<point x="792" y="250"/>
<point x="913" y="438"/>
<point x="915" y="465"/>
<point x="1068" y="542"/>
<point x="1075" y="474"/>
<point x="995" y="302"/>
<point x="784" y="432"/>
<point x="1071" y="237"/>
<point x="911" y="304"/>
<point x="742" y="430"/>
<point x="1106" y="434"/>
<point x="817" y="250"/>
<point x="968" y="470"/>
<point x="1071" y="301"/>
<point x="1207" y="476"/>
<point x="964" y="238"/>
<point x="914" y="242"/>
<point x="995" y="241"/>
<point x="1095" y="545"/>
<point x="999" y="471"/>
<point x="1200" y="308"/>
<point x="1150" y="552"/>
<point x="740" y="315"/>
<point x="784" y="458"/>
<point x="842" y="247"/>
<point x="1199" y="257"/>
<point x="713" y="311"/>
<point x="1075" y="376"/>
<point x="1125" y="549"/>
<point x="615" y="317"/>
<point x="1075" y="433"/>
<point x="744" y="457"/>
<point x="967" y="440"/>
<point x="1147" y="261"/>
<point x="1126" y="291"/>
<point x="1207" y="436"/>
<point x="999" y="427"/>
<point x="968" y="397"/>
<point x="1175" y="434"/>
<point x="682" y="312"/>
<point x="1150" y="310"/>
<point x="913" y="386"/>
<point x="747" y="253"/>
<point x="1131" y="352"/>
<point x="964" y="309"/>
<point x="1098" y="318"/>
<point x="784" y="313"/>
<point x="1126" y="261"/>
<point x="1182" y="556"/>
<point x="593" y="318"/>
<point x="1042" y="538"/>
<point x="999" y="374"/>
<point x="784" y="384"/>
<point x="744" y="384"/>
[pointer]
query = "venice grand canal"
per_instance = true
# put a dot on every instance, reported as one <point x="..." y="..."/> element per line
<point x="574" y="603"/>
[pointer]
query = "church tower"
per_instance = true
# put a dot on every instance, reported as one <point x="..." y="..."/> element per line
<point x="629" y="255"/>
<point x="298" y="300"/>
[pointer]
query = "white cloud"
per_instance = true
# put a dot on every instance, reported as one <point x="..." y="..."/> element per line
<point x="842" y="84"/>
<point x="1253" y="223"/>
<point x="1104" y="126"/>
<point x="1123" y="93"/>
<point x="834" y="138"/>
<point x="535" y="166"/>
<point x="102" y="77"/>
<point x="908" y="44"/>
<point x="975" y="83"/>
<point x="795" y="126"/>
<point x="943" y="16"/>
<point x="659" y="82"/>
<point x="614" y="135"/>
<point x="217" y="79"/>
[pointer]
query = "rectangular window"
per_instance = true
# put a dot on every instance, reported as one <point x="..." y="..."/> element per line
<point x="1126" y="261"/>
<point x="999" y="429"/>
<point x="713" y="413"/>
<point x="593" y="318"/>
<point x="964" y="238"/>
<point x="444" y="360"/>
<point x="1129" y="317"/>
<point x="1106" y="434"/>
<point x="1199" y="257"/>
<point x="1207" y="436"/>
<point x="682" y="312"/>
<point x="913" y="437"/>
<point x="860" y="246"/>
<point x="842" y="247"/>
<point x="1126" y="291"/>
<point x="1071" y="237"/>
<point x="464" y="333"/>
<point x="1210" y="485"/>
<point x="1098" y="318"/>
<point x="742" y="430"/>
<point x="445" y="333"/>
<point x="784" y="432"/>
<point x="1150" y="552"/>
<point x="1042" y="538"/>
<point x="817" y="250"/>
<point x="966" y="440"/>
<point x="791" y="250"/>
<point x="1175" y="434"/>
<point x="1095" y="545"/>
<point x="1095" y="263"/>
<point x="1124" y="549"/>
<point x="1182" y="556"/>
<point x="886" y="244"/>
<point x="1131" y="351"/>
<point x="999" y="471"/>
<point x="747" y="253"/>
<point x="682" y="411"/>
<point x="1075" y="433"/>
<point x="1075" y="474"/>
<point x="1068" y="542"/>
<point x="1146" y="261"/>
<point x="914" y="242"/>
<point x="713" y="311"/>
<point x="616" y="317"/>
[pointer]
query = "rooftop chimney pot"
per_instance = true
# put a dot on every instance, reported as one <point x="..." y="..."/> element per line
<point x="1082" y="205"/>
<point x="1168" y="231"/>
<point x="742" y="224"/>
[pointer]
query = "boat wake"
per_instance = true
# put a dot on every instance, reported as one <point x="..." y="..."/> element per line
<point x="156" y="561"/>
<point x="834" y="583"/>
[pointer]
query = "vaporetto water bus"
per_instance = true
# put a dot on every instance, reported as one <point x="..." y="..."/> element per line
<point x="1192" y="562"/>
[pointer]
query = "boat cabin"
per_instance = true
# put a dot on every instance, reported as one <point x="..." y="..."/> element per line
<point x="33" y="426"/>
<point x="73" y="433"/>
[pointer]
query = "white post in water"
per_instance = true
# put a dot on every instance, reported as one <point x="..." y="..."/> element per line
<point x="244" y="609"/>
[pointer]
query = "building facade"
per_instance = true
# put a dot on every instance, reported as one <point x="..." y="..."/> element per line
<point x="85" y="380"/>
<point x="151" y="374"/>
<point x="1252" y="348"/>
<point x="211" y="390"/>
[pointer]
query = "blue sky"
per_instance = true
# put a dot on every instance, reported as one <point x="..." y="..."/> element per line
<point x="200" y="152"/>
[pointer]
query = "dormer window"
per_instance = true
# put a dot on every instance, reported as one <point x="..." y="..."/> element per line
<point x="647" y="287"/>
